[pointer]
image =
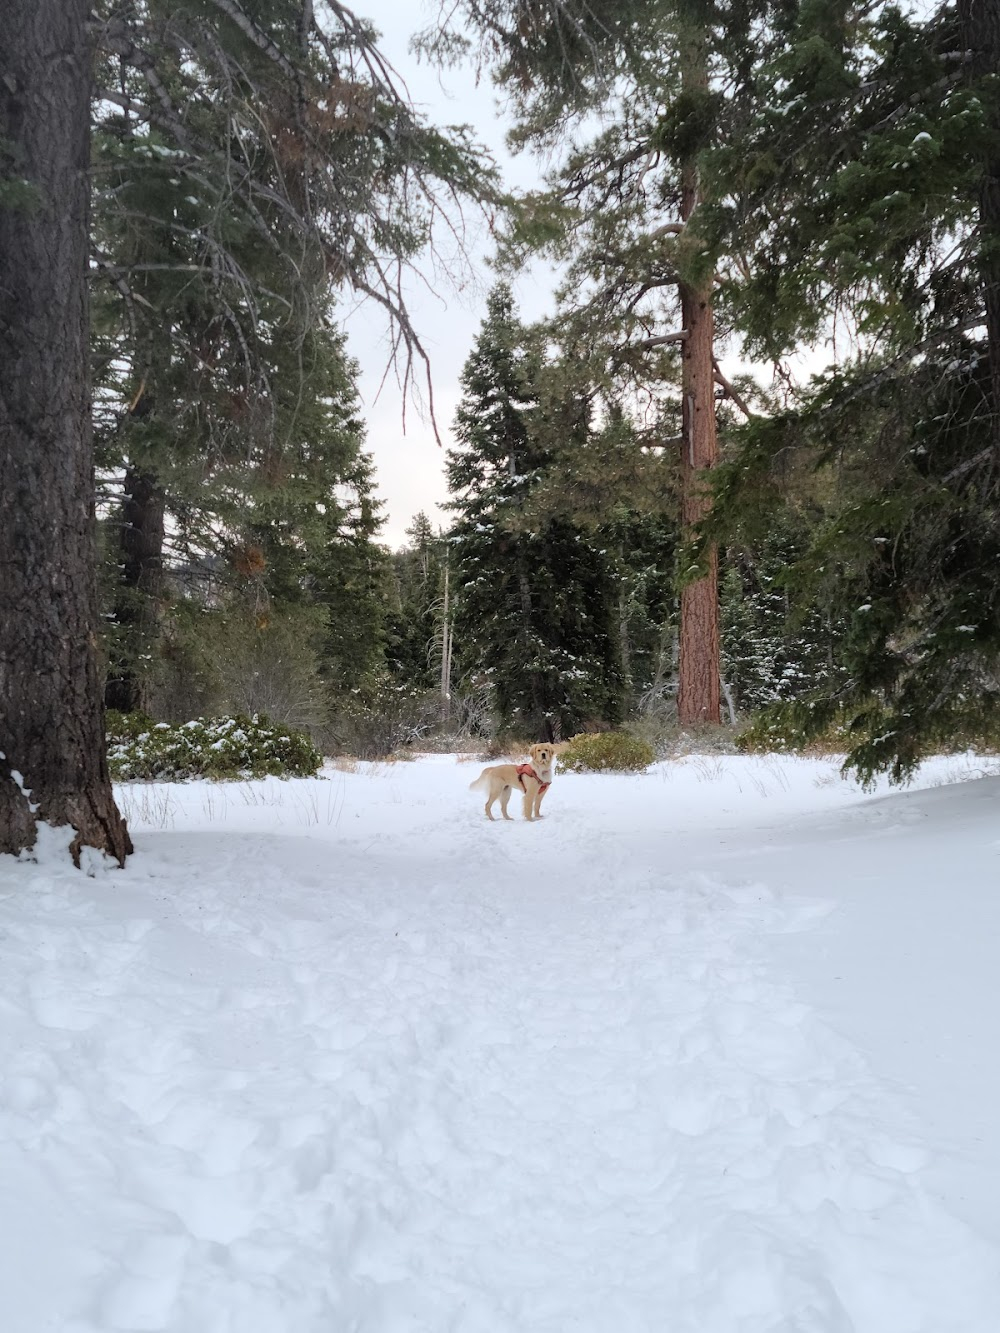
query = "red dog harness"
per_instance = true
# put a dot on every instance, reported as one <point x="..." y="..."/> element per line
<point x="525" y="770"/>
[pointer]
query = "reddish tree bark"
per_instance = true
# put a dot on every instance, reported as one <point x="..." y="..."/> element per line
<point x="698" y="689"/>
<point x="51" y="710"/>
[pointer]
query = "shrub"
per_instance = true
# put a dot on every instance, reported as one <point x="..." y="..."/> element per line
<point x="382" y="720"/>
<point x="606" y="752"/>
<point x="267" y="667"/>
<point x="785" y="729"/>
<point x="777" y="730"/>
<point x="506" y="746"/>
<point x="126" y="726"/>
<point x="764" y="736"/>
<point x="228" y="747"/>
<point x="670" y="740"/>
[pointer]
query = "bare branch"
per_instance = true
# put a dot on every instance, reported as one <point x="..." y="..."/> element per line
<point x="414" y="347"/>
<point x="730" y="392"/>
<point x="661" y="340"/>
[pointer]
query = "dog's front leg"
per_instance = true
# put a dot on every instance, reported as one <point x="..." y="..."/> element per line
<point x="503" y="803"/>
<point x="538" y="804"/>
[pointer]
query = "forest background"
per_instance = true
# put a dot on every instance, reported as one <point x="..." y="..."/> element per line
<point x="634" y="537"/>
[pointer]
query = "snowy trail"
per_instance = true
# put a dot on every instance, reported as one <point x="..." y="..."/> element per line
<point x="414" y="1072"/>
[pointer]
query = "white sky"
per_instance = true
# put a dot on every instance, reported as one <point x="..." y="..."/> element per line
<point x="448" y="309"/>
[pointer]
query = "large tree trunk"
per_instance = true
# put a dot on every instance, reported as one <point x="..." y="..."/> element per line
<point x="980" y="23"/>
<point x="53" y="767"/>
<point x="698" y="697"/>
<point x="140" y="593"/>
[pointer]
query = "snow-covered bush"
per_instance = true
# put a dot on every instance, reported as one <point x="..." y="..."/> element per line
<point x="228" y="747"/>
<point x="606" y="752"/>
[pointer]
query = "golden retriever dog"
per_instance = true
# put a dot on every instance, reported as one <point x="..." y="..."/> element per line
<point x="533" y="779"/>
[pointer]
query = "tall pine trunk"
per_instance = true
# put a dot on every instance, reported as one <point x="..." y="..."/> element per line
<point x="698" y="694"/>
<point x="54" y="767"/>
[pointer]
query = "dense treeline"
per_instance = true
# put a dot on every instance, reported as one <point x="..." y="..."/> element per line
<point x="249" y="162"/>
<point x="633" y="531"/>
<point x="846" y="204"/>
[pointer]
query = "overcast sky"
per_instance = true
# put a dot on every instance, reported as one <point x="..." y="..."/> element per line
<point x="409" y="465"/>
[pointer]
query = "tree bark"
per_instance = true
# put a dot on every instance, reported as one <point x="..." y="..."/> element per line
<point x="140" y="592"/>
<point x="54" y="766"/>
<point x="980" y="24"/>
<point x="698" y="694"/>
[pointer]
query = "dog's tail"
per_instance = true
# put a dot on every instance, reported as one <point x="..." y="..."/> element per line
<point x="482" y="782"/>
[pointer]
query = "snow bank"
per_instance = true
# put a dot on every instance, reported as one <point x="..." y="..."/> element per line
<point x="341" y="1055"/>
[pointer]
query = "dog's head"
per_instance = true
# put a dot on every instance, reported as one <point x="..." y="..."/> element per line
<point x="542" y="756"/>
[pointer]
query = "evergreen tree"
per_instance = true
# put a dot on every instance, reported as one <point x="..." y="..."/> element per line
<point x="847" y="159"/>
<point x="351" y="579"/>
<point x="53" y="766"/>
<point x="870" y="200"/>
<point x="534" y="601"/>
<point x="249" y="162"/>
<point x="416" y="635"/>
<point x="642" y="548"/>
<point x="631" y="207"/>
<point x="774" y="652"/>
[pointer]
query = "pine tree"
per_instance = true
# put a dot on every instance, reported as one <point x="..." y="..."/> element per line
<point x="632" y="207"/>
<point x="848" y="158"/>
<point x="417" y="629"/>
<point x="351" y="579"/>
<point x="642" y="549"/>
<point x="53" y="766"/>
<point x="869" y="198"/>
<point x="272" y="518"/>
<point x="534" y="601"/>
<point x="249" y="162"/>
<point x="774" y="652"/>
<point x="618" y="494"/>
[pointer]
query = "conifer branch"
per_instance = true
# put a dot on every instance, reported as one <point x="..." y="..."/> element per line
<point x="115" y="35"/>
<point x="257" y="35"/>
<point x="730" y="392"/>
<point x="661" y="340"/>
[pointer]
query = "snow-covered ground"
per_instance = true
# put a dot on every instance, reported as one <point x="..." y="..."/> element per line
<point x="709" y="1050"/>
